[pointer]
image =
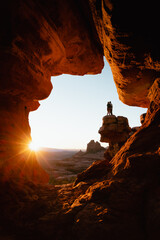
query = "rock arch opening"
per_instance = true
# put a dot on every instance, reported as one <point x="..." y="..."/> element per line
<point x="40" y="39"/>
<point x="71" y="116"/>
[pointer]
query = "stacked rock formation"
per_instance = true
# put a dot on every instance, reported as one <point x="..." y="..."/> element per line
<point x="115" y="131"/>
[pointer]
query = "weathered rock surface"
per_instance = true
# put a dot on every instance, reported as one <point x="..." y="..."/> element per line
<point x="39" y="39"/>
<point x="98" y="170"/>
<point x="37" y="43"/>
<point x="114" y="129"/>
<point x="44" y="38"/>
<point x="128" y="33"/>
<point x="154" y="94"/>
<point x="93" y="147"/>
<point x="16" y="160"/>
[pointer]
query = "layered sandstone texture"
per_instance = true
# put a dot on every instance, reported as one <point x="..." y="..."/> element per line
<point x="39" y="39"/>
<point x="114" y="129"/>
<point x="43" y="38"/>
<point x="119" y="200"/>
<point x="128" y="33"/>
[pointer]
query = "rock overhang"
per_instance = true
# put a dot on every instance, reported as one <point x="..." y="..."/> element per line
<point x="41" y="39"/>
<point x="128" y="33"/>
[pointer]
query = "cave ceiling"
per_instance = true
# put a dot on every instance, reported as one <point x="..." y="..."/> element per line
<point x="40" y="39"/>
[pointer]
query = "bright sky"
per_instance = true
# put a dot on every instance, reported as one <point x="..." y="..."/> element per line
<point x="72" y="115"/>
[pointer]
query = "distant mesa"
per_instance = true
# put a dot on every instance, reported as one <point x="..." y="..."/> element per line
<point x="94" y="147"/>
<point x="79" y="154"/>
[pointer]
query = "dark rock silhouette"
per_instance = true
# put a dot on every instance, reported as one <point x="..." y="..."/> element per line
<point x="97" y="170"/>
<point x="142" y="118"/>
<point x="93" y="147"/>
<point x="115" y="131"/>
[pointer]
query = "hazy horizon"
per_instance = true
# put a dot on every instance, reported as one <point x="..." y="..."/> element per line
<point x="60" y="149"/>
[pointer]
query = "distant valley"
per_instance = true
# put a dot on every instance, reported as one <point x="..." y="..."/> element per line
<point x="64" y="165"/>
<point x="55" y="154"/>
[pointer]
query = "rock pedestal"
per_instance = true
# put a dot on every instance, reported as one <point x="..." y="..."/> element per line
<point x="115" y="131"/>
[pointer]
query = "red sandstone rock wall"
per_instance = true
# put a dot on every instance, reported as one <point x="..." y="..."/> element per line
<point x="44" y="38"/>
<point x="39" y="39"/>
<point x="130" y="38"/>
<point x="114" y="129"/>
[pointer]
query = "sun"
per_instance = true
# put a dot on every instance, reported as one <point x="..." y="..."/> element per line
<point x="33" y="146"/>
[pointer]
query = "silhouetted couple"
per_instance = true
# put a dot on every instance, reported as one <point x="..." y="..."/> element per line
<point x="109" y="108"/>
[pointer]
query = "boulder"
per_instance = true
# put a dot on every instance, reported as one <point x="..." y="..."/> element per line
<point x="114" y="129"/>
<point x="97" y="170"/>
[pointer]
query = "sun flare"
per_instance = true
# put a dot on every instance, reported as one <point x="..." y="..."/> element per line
<point x="34" y="147"/>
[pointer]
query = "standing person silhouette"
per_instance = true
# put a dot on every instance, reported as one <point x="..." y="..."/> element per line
<point x="109" y="108"/>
